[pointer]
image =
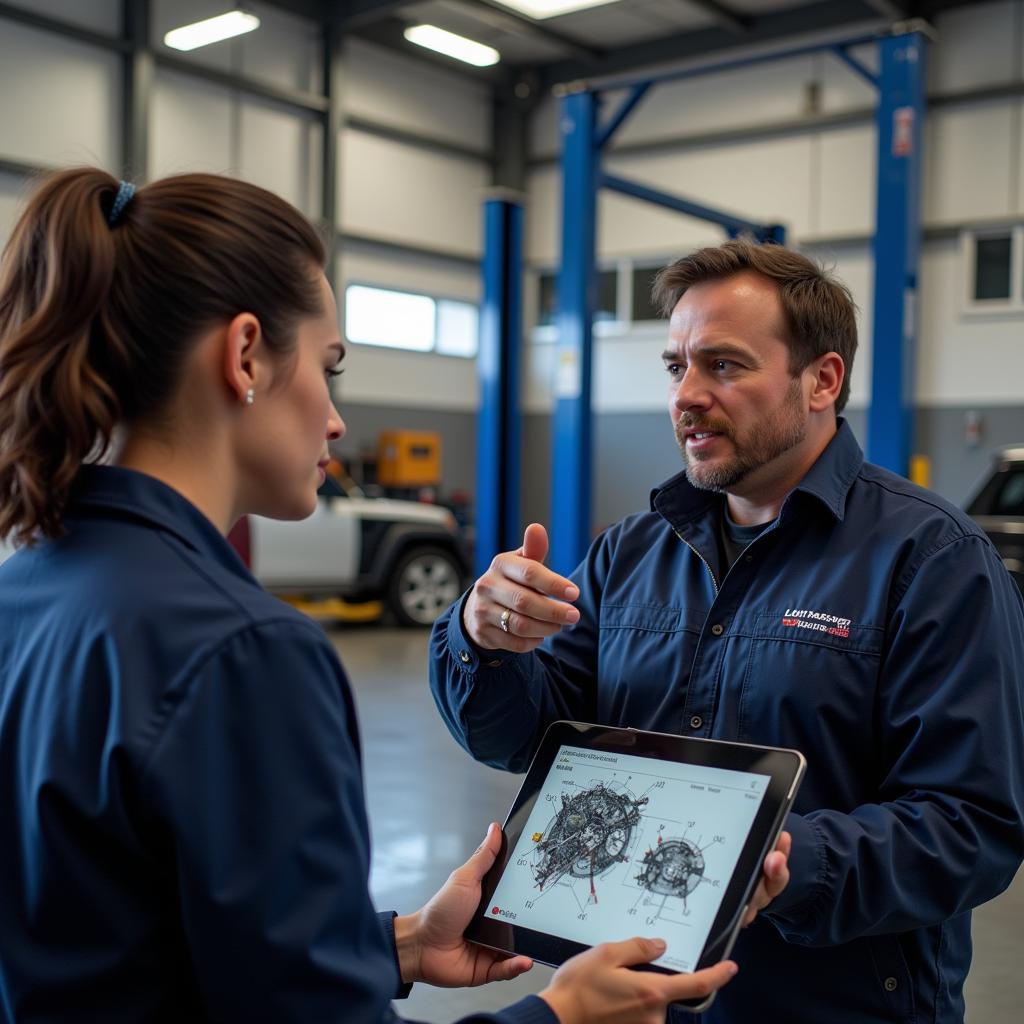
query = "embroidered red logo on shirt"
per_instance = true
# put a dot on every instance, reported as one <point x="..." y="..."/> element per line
<point x="820" y="622"/>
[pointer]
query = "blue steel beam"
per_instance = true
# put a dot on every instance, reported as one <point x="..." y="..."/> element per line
<point x="900" y="120"/>
<point x="571" y="459"/>
<point x="498" y="421"/>
<point x="627" y="107"/>
<point x="733" y="64"/>
<point x="732" y="224"/>
<point x="843" y="53"/>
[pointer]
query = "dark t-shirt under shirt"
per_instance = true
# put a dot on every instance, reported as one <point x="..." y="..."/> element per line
<point x="733" y="538"/>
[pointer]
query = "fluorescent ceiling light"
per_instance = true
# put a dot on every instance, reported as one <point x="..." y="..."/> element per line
<point x="212" y="30"/>
<point x="448" y="43"/>
<point x="540" y="9"/>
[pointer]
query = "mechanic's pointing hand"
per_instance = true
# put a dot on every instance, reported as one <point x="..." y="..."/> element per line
<point x="518" y="602"/>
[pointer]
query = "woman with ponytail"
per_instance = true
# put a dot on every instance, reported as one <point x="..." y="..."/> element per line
<point x="183" y="834"/>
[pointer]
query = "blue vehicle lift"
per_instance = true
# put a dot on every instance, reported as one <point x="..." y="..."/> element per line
<point x="571" y="463"/>
<point x="901" y="86"/>
<point x="901" y="79"/>
<point x="498" y="422"/>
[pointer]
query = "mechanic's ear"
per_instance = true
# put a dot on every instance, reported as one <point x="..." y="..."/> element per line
<point x="828" y="373"/>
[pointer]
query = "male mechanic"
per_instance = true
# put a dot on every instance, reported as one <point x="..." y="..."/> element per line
<point x="783" y="591"/>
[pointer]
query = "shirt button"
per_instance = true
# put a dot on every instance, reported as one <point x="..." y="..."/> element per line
<point x="749" y="558"/>
<point x="718" y="629"/>
<point x="464" y="657"/>
<point x="696" y="722"/>
<point x="890" y="984"/>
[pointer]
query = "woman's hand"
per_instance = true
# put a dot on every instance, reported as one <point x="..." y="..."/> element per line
<point x="597" y="987"/>
<point x="430" y="943"/>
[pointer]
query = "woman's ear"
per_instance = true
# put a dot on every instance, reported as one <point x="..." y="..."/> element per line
<point x="829" y="373"/>
<point x="242" y="353"/>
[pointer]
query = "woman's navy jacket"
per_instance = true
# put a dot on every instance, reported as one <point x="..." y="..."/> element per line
<point x="183" y="834"/>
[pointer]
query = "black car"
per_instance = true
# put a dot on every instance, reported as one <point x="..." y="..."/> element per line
<point x="998" y="508"/>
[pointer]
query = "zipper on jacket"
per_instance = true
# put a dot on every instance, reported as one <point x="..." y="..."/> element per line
<point x="707" y="564"/>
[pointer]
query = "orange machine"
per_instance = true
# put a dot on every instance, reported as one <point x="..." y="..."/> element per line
<point x="409" y="458"/>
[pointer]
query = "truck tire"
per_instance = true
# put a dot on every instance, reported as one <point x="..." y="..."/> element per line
<point x="423" y="582"/>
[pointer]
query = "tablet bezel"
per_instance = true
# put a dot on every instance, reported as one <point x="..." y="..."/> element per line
<point x="784" y="768"/>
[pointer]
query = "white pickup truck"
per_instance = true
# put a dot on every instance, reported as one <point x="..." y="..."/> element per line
<point x="402" y="552"/>
<point x="407" y="554"/>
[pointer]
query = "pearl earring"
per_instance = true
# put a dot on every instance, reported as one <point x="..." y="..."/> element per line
<point x="250" y="397"/>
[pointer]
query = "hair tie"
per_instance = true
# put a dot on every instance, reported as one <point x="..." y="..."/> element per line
<point x="125" y="191"/>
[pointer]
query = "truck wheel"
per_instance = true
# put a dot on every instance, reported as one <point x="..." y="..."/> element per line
<point x="423" y="583"/>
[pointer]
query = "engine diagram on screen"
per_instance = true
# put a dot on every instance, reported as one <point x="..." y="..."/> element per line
<point x="591" y="832"/>
<point x="670" y="871"/>
<point x="672" y="868"/>
<point x="615" y="843"/>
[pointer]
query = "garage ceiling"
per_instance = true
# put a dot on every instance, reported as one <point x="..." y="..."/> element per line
<point x="615" y="37"/>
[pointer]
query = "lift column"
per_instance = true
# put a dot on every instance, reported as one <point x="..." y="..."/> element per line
<point x="571" y="424"/>
<point x="498" y="422"/>
<point x="900" y="118"/>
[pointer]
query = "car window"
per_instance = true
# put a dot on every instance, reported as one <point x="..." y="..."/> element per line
<point x="1010" y="501"/>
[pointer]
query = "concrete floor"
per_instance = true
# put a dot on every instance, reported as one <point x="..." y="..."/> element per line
<point x="430" y="803"/>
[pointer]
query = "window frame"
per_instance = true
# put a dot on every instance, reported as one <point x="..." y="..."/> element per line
<point x="1014" y="304"/>
<point x="409" y="351"/>
<point x="622" y="321"/>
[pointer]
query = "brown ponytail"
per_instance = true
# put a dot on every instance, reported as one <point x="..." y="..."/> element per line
<point x="96" y="320"/>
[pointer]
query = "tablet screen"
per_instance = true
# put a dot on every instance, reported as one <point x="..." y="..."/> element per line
<point x="618" y="845"/>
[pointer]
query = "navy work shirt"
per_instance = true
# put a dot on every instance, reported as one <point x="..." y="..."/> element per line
<point x="874" y="628"/>
<point x="183" y="835"/>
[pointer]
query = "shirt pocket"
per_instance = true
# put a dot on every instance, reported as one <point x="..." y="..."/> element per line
<point x="645" y="655"/>
<point x="802" y="684"/>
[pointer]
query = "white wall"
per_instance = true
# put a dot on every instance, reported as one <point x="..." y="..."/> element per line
<point x="60" y="103"/>
<point x="286" y="51"/>
<point x="394" y="191"/>
<point x="390" y="89"/>
<point x="418" y="380"/>
<point x="821" y="184"/>
<point x="399" y="192"/>
<point x="98" y="15"/>
<point x="12" y="191"/>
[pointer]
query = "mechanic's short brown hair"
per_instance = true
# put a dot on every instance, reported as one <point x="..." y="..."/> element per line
<point x="819" y="310"/>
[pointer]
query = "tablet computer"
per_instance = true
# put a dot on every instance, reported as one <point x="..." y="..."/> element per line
<point x="621" y="832"/>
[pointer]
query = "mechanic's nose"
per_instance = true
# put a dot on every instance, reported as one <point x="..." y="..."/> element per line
<point x="691" y="392"/>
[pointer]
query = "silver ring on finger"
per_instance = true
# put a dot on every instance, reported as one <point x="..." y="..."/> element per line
<point x="505" y="616"/>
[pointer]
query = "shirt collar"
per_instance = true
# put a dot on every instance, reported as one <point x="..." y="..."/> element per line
<point x="828" y="481"/>
<point x="100" y="489"/>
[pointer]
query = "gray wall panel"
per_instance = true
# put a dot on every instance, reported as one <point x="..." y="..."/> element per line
<point x="457" y="429"/>
<point x="535" y="498"/>
<point x="635" y="451"/>
<point x="957" y="465"/>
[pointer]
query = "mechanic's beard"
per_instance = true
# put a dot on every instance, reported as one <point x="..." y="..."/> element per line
<point x="783" y="430"/>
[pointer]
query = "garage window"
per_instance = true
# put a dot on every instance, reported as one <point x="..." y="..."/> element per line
<point x="410" y="321"/>
<point x="607" y="298"/>
<point x="994" y="269"/>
